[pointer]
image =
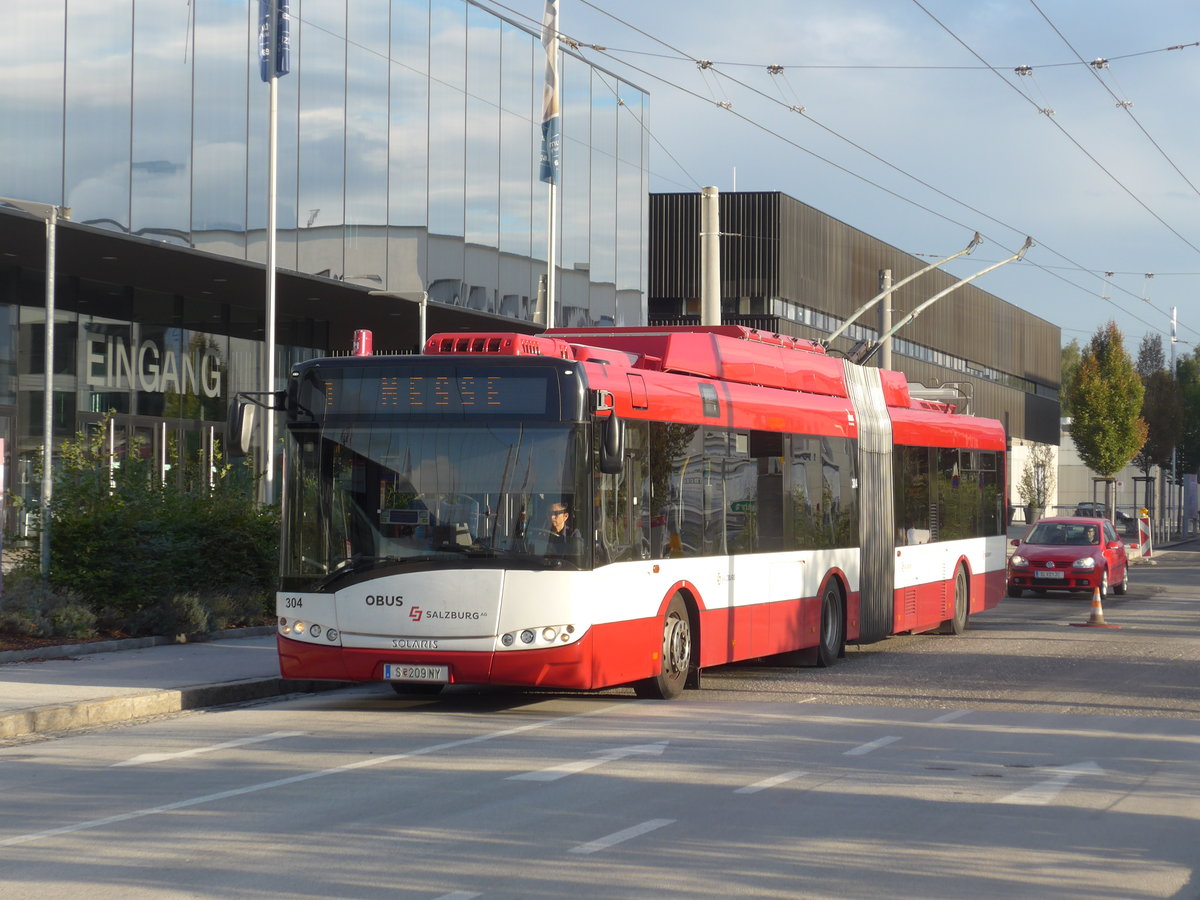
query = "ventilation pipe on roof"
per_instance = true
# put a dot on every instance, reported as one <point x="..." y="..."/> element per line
<point x="710" y="256"/>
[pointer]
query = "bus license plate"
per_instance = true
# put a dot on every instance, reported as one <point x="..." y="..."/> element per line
<point x="1050" y="573"/>
<point x="410" y="672"/>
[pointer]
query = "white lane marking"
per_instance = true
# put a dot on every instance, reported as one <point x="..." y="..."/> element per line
<point x="582" y="765"/>
<point x="1045" y="791"/>
<point x="873" y="745"/>
<point x="951" y="716"/>
<point x="769" y="782"/>
<point x="619" y="836"/>
<point x="294" y="779"/>
<point x="241" y="742"/>
<point x="459" y="895"/>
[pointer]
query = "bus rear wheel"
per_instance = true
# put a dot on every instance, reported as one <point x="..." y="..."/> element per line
<point x="833" y="629"/>
<point x="676" y="656"/>
<point x="962" y="599"/>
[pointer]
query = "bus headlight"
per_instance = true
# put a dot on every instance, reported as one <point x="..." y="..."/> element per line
<point x="539" y="636"/>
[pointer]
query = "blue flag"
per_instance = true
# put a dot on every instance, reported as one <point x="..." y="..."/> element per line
<point x="280" y="55"/>
<point x="551" y="115"/>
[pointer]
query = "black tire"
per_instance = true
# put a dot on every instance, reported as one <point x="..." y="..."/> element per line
<point x="676" y="655"/>
<point x="833" y="626"/>
<point x="416" y="688"/>
<point x="1123" y="588"/>
<point x="962" y="603"/>
<point x="1104" y="585"/>
<point x="1014" y="591"/>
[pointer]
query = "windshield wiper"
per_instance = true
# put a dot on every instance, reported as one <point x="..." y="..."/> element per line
<point x="358" y="563"/>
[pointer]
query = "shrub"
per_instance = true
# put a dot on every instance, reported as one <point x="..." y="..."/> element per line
<point x="32" y="608"/>
<point x="181" y="614"/>
<point x="147" y="557"/>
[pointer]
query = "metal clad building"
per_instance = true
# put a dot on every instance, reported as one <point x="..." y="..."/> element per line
<point x="790" y="268"/>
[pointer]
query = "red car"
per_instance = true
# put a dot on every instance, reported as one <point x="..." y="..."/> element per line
<point x="1069" y="553"/>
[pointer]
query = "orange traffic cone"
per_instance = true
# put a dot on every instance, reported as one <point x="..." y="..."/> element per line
<point x="1096" y="619"/>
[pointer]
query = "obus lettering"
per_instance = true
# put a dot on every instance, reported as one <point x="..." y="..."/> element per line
<point x="385" y="599"/>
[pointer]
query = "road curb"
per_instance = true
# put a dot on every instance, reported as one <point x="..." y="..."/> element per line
<point x="128" y="707"/>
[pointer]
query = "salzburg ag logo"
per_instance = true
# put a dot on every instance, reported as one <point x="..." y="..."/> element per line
<point x="417" y="614"/>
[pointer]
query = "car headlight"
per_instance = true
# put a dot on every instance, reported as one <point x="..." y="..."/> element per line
<point x="1019" y="561"/>
<point x="1085" y="563"/>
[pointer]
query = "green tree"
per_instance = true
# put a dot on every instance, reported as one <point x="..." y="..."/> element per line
<point x="1038" y="478"/>
<point x="1160" y="405"/>
<point x="1070" y="356"/>
<point x="1187" y="370"/>
<point x="1150" y="357"/>
<point x="1106" y="402"/>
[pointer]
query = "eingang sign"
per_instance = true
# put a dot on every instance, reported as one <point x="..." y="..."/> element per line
<point x="113" y="365"/>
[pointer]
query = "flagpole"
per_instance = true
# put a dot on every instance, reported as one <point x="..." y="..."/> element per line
<point x="551" y="256"/>
<point x="551" y="150"/>
<point x="274" y="58"/>
<point x="272" y="171"/>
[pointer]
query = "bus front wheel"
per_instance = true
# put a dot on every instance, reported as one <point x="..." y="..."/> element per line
<point x="676" y="655"/>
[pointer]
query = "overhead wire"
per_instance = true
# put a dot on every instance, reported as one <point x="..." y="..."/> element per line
<point x="1077" y="266"/>
<point x="1124" y="105"/>
<point x="1136" y="199"/>
<point x="682" y="56"/>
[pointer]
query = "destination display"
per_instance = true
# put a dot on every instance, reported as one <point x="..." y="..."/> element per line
<point x="413" y="392"/>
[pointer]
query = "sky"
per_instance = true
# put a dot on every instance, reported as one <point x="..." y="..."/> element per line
<point x="908" y="120"/>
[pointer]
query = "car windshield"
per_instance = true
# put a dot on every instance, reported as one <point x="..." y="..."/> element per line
<point x="1065" y="533"/>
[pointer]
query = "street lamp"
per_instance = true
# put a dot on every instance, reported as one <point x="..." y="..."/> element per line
<point x="50" y="213"/>
<point x="421" y="298"/>
<point x="1176" y="517"/>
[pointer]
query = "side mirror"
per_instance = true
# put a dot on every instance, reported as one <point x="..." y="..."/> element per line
<point x="612" y="446"/>
<point x="239" y="427"/>
<point x="1016" y="542"/>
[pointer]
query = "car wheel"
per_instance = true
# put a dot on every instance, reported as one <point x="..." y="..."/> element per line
<point x="1122" y="588"/>
<point x="1014" y="591"/>
<point x="1104" y="584"/>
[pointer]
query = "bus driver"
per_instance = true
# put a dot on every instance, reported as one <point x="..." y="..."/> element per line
<point x="563" y="538"/>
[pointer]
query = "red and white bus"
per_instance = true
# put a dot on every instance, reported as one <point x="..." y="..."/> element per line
<point x="728" y="494"/>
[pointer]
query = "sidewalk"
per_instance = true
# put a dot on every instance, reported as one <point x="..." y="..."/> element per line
<point x="62" y="689"/>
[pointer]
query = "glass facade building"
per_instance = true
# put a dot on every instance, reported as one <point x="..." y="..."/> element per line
<point x="408" y="150"/>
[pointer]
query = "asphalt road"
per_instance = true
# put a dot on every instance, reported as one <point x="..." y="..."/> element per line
<point x="1027" y="758"/>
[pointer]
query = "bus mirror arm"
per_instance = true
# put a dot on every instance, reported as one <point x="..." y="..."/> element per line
<point x="612" y="446"/>
<point x="239" y="419"/>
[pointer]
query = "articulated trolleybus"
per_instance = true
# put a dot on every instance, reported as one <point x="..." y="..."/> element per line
<point x="590" y="508"/>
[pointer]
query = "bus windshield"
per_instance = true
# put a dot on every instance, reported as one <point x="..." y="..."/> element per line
<point x="389" y="494"/>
